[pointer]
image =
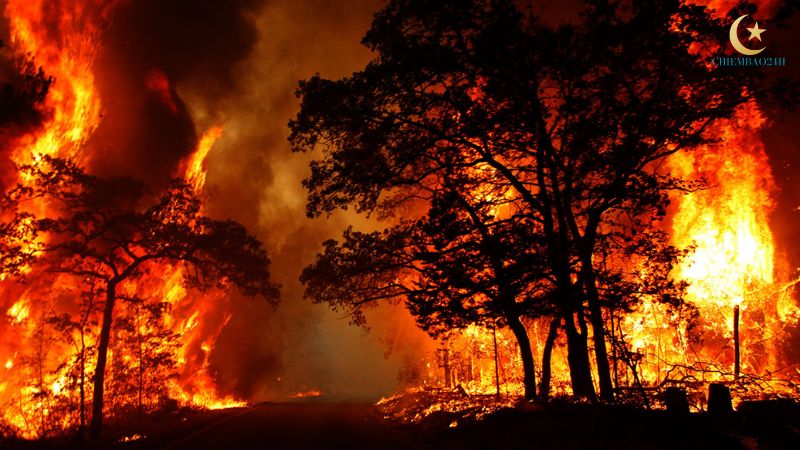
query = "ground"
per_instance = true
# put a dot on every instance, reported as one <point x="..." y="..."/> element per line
<point x="342" y="425"/>
<point x="315" y="425"/>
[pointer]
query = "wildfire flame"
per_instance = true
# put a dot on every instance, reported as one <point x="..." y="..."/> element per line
<point x="195" y="172"/>
<point x="67" y="54"/>
<point x="195" y="385"/>
<point x="33" y="391"/>
<point x="734" y="267"/>
<point x="734" y="263"/>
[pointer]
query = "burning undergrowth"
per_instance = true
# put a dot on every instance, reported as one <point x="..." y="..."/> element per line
<point x="431" y="407"/>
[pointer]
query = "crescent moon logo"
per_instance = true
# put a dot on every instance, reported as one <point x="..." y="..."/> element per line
<point x="737" y="44"/>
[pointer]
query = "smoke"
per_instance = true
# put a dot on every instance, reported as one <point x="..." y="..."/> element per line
<point x="167" y="71"/>
<point x="148" y="46"/>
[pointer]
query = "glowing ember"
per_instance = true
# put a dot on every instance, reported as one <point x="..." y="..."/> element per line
<point x="132" y="438"/>
<point x="306" y="394"/>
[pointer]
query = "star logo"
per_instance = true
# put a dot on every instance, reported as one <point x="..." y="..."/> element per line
<point x="755" y="32"/>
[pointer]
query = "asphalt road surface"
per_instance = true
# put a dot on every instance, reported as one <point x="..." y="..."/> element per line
<point x="312" y="425"/>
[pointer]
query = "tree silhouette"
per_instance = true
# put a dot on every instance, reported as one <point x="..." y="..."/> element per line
<point x="22" y="93"/>
<point x="109" y="230"/>
<point x="452" y="269"/>
<point x="76" y="331"/>
<point x="572" y="123"/>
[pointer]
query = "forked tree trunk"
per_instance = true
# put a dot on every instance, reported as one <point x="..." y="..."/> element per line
<point x="598" y="327"/>
<point x="528" y="366"/>
<point x="600" y="351"/>
<point x="547" y="353"/>
<point x="102" y="355"/>
<point x="580" y="371"/>
<point x="578" y="359"/>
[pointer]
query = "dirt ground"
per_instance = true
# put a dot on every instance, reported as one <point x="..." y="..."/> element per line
<point x="341" y="425"/>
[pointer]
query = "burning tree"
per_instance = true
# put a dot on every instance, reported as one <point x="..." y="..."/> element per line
<point x="109" y="232"/>
<point x="568" y="127"/>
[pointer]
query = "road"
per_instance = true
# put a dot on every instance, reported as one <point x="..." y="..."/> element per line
<point x="308" y="425"/>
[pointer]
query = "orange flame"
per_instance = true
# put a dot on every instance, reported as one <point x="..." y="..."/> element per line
<point x="195" y="385"/>
<point x="195" y="172"/>
<point x="734" y="262"/>
<point x="67" y="54"/>
<point x="36" y="384"/>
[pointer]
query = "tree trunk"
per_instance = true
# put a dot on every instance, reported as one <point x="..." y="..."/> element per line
<point x="141" y="359"/>
<point x="614" y="358"/>
<point x="596" y="319"/>
<point x="40" y="374"/>
<point x="600" y="351"/>
<point x="82" y="383"/>
<point x="448" y="376"/>
<point x="102" y="355"/>
<point x="547" y="352"/>
<point x="528" y="366"/>
<point x="578" y="358"/>
<point x="496" y="361"/>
